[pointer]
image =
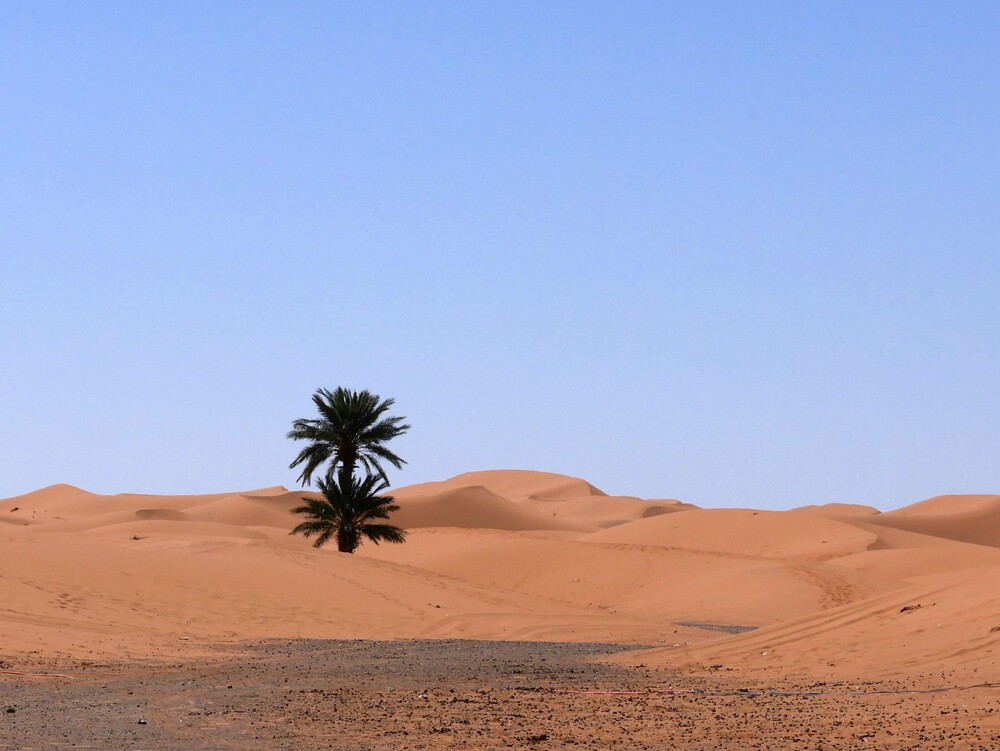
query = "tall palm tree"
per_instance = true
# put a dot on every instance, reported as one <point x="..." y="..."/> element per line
<point x="349" y="512"/>
<point x="352" y="428"/>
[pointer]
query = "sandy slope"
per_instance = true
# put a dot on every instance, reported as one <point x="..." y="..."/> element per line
<point x="513" y="555"/>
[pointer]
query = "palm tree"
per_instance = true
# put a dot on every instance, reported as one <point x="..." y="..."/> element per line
<point x="349" y="512"/>
<point x="352" y="427"/>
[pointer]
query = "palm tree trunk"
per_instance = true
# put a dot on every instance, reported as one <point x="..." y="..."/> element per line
<point x="347" y="464"/>
<point x="346" y="481"/>
<point x="346" y="474"/>
<point x="346" y="541"/>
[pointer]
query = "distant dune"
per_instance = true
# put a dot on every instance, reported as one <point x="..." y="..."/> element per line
<point x="471" y="507"/>
<point x="833" y="590"/>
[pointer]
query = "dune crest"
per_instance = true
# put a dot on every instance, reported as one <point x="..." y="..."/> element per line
<point x="471" y="507"/>
<point x="514" y="484"/>
<point x="964" y="518"/>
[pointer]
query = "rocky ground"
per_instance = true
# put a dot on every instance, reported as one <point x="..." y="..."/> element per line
<point x="360" y="695"/>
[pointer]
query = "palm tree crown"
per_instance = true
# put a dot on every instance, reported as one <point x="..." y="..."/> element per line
<point x="349" y="511"/>
<point x="352" y="428"/>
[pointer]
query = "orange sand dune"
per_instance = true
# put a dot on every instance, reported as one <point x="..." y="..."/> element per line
<point x="471" y="507"/>
<point x="515" y="485"/>
<point x="512" y="555"/>
<point x="656" y="583"/>
<point x="764" y="534"/>
<point x="65" y="502"/>
<point x="946" y="627"/>
<point x="249" y="510"/>
<point x="105" y="593"/>
<point x="838" y="510"/>
<point x="966" y="518"/>
<point x="546" y="501"/>
<point x="606" y="511"/>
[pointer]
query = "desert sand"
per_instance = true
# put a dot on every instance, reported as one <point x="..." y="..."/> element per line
<point x="838" y="596"/>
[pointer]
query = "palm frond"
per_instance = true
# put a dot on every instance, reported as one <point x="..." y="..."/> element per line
<point x="313" y="456"/>
<point x="383" y="533"/>
<point x="348" y="509"/>
<point x="352" y="427"/>
<point x="325" y="536"/>
<point x="380" y="510"/>
<point x="381" y="452"/>
<point x="308" y="529"/>
<point x="314" y="507"/>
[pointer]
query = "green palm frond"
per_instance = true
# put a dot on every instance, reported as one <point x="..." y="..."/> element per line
<point x="347" y="510"/>
<point x="308" y="529"/>
<point x="352" y="427"/>
<point x="383" y="533"/>
<point x="324" y="536"/>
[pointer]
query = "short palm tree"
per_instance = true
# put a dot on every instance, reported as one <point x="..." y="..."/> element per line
<point x="349" y="511"/>
<point x="352" y="428"/>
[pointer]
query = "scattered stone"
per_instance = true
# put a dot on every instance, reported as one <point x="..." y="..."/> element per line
<point x="11" y="710"/>
<point x="910" y="608"/>
<point x="141" y="721"/>
<point x="370" y="692"/>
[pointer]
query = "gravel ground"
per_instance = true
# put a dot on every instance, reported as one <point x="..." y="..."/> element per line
<point x="361" y="695"/>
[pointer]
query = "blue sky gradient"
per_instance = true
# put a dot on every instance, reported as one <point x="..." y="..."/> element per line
<point x="736" y="255"/>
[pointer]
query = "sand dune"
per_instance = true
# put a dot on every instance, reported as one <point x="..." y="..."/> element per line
<point x="471" y="507"/>
<point x="249" y="510"/>
<point x="520" y="500"/>
<point x="659" y="584"/>
<point x="512" y="555"/>
<point x="943" y="626"/>
<point x="515" y="485"/>
<point x="838" y="510"/>
<point x="765" y="534"/>
<point x="965" y="518"/>
<point x="602" y="512"/>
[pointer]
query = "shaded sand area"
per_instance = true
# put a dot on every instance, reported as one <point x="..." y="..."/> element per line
<point x="157" y="592"/>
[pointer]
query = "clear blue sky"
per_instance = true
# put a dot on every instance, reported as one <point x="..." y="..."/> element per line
<point x="737" y="253"/>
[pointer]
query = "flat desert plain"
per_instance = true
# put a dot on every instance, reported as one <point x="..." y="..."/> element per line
<point x="526" y="609"/>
